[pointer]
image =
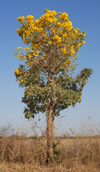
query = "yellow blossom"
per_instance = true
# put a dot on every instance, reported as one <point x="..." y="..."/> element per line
<point x="43" y="57"/>
<point x="21" y="19"/>
<point x="63" y="50"/>
<point x="52" y="30"/>
<point x="26" y="74"/>
<point x="22" y="80"/>
<point x="84" y="34"/>
<point x="57" y="38"/>
<point x="67" y="25"/>
<point x="36" y="22"/>
<point x="63" y="16"/>
<point x="17" y="72"/>
<point x="76" y="32"/>
<point x="50" y="42"/>
<point x="58" y="24"/>
<point x="83" y="42"/>
<point x="72" y="52"/>
<point x="15" y="52"/>
<point x="79" y="44"/>
<point x="29" y="17"/>
<point x="19" y="31"/>
<point x="69" y="61"/>
<point x="36" y="53"/>
<point x="84" y="80"/>
<point x="19" y="48"/>
<point x="27" y="48"/>
<point x="29" y="56"/>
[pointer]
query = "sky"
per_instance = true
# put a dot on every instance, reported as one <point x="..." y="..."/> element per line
<point x="84" y="15"/>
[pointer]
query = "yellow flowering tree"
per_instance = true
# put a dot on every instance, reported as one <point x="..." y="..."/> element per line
<point x="49" y="60"/>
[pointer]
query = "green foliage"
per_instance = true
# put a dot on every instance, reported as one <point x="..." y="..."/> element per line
<point x="56" y="151"/>
<point x="68" y="92"/>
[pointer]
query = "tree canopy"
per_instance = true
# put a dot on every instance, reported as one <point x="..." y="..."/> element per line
<point x="49" y="60"/>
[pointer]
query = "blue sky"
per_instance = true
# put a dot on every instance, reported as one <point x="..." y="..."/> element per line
<point x="84" y="15"/>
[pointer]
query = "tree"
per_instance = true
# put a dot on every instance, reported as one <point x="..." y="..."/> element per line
<point x="49" y="63"/>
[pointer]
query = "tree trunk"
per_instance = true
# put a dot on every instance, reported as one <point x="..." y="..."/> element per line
<point x="50" y="121"/>
<point x="50" y="134"/>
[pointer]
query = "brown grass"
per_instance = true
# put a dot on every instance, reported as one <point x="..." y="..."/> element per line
<point x="22" y="154"/>
<point x="77" y="151"/>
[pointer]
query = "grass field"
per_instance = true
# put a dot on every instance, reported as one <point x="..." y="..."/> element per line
<point x="76" y="151"/>
<point x="76" y="154"/>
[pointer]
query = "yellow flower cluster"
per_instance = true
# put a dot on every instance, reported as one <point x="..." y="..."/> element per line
<point x="27" y="48"/>
<point x="69" y="61"/>
<point x="72" y="52"/>
<point x="19" y="31"/>
<point x="52" y="30"/>
<point x="43" y="57"/>
<point x="29" y="56"/>
<point x="84" y="34"/>
<point x="59" y="24"/>
<point x="48" y="17"/>
<point x="21" y="19"/>
<point x="63" y="16"/>
<point x="29" y="17"/>
<point x="17" y="72"/>
<point x="36" y="53"/>
<point x="19" y="48"/>
<point x="63" y="50"/>
<point x="50" y="42"/>
<point x="80" y="43"/>
<point x="57" y="38"/>
<point x="84" y="81"/>
<point x="26" y="74"/>
<point x="67" y="25"/>
<point x="49" y="14"/>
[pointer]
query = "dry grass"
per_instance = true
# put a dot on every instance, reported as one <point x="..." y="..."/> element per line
<point x="30" y="168"/>
<point x="21" y="154"/>
<point x="22" y="150"/>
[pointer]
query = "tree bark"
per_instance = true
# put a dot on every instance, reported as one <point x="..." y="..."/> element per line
<point x="50" y="134"/>
<point x="50" y="122"/>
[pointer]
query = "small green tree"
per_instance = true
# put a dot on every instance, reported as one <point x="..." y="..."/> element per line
<point x="49" y="62"/>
